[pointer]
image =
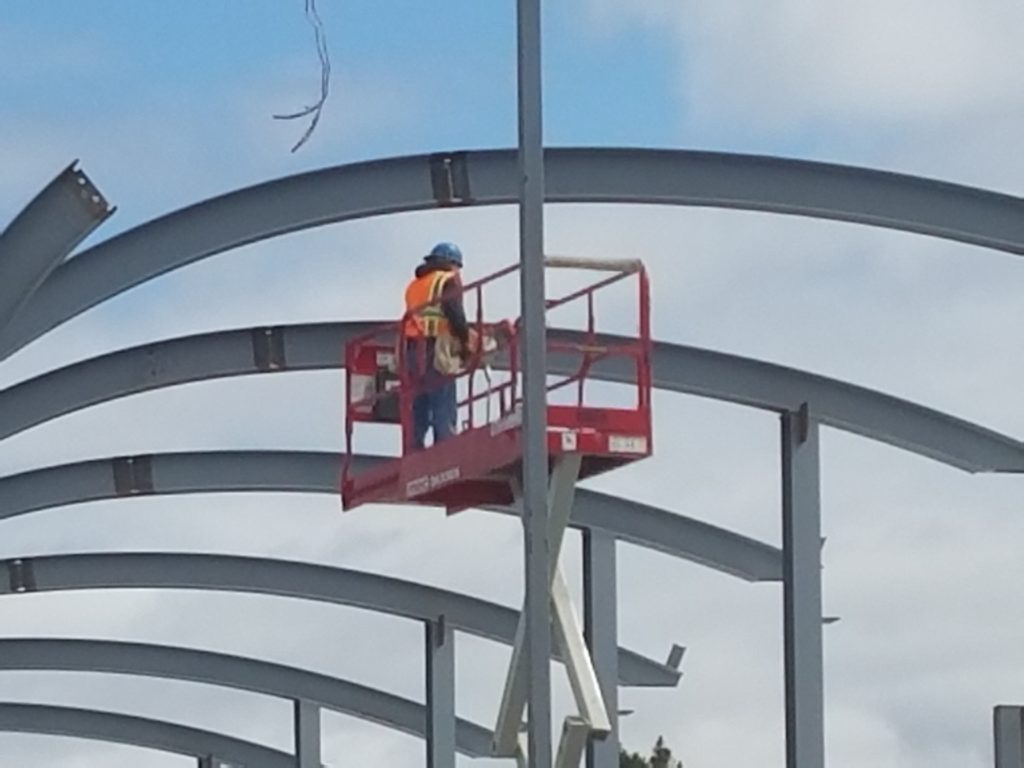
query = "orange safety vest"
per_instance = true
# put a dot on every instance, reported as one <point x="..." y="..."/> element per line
<point x="426" y="321"/>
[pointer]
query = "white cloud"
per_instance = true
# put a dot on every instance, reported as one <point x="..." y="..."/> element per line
<point x="793" y="61"/>
<point x="921" y="87"/>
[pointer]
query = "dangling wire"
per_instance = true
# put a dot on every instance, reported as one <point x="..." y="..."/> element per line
<point x="325" y="74"/>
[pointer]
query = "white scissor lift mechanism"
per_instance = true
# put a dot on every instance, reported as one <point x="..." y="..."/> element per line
<point x="592" y="720"/>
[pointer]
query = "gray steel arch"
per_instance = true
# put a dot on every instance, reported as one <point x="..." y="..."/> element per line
<point x="676" y="367"/>
<point x="341" y="586"/>
<point x="489" y="177"/>
<point x="44" y="233"/>
<point x="221" y="669"/>
<point x="318" y="472"/>
<point x="137" y="732"/>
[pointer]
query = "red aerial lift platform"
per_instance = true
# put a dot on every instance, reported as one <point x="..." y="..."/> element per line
<point x="481" y="465"/>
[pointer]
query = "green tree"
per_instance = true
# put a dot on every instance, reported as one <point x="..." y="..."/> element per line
<point x="634" y="760"/>
<point x="661" y="757"/>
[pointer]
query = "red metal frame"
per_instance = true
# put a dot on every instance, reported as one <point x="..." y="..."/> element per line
<point x="479" y="465"/>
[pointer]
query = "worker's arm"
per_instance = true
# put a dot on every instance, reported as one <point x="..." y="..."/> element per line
<point x="451" y="306"/>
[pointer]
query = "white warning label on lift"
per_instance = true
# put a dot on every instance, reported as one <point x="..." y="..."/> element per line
<point x="627" y="444"/>
<point x="417" y="486"/>
<point x="443" y="478"/>
<point x="430" y="482"/>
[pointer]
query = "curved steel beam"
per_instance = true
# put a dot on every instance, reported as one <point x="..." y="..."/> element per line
<point x="169" y="662"/>
<point x="47" y="230"/>
<point x="489" y="177"/>
<point x="137" y="732"/>
<point x="318" y="472"/>
<point x="342" y="586"/>
<point x="676" y="367"/>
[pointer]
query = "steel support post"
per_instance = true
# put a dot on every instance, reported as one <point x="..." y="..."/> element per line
<point x="1009" y="737"/>
<point x="537" y="608"/>
<point x="440" y="669"/>
<point x="307" y="734"/>
<point x="801" y="537"/>
<point x="600" y="627"/>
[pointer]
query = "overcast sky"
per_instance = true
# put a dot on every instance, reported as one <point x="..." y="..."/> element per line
<point x="166" y="104"/>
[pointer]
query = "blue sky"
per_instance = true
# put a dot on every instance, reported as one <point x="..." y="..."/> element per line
<point x="194" y="83"/>
<point x="169" y="103"/>
<point x="457" y="57"/>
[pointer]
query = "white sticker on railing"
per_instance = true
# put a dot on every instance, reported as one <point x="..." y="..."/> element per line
<point x="627" y="444"/>
<point x="569" y="441"/>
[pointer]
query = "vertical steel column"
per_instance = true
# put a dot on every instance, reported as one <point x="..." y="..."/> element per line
<point x="801" y="550"/>
<point x="440" y="666"/>
<point x="307" y="734"/>
<point x="535" y="464"/>
<point x="1009" y="737"/>
<point x="600" y="627"/>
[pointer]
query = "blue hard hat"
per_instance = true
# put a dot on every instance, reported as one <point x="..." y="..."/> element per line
<point x="446" y="252"/>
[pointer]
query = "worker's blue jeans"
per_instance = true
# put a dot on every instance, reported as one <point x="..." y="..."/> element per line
<point x="434" y="405"/>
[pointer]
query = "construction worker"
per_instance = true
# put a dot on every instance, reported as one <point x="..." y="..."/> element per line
<point x="433" y="305"/>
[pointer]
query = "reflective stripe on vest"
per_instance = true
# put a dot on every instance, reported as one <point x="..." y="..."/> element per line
<point x="429" y="320"/>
